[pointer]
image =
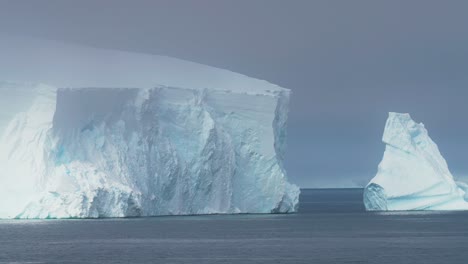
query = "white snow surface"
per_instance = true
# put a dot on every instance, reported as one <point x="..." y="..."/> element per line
<point x="412" y="175"/>
<point x="96" y="133"/>
<point x="66" y="65"/>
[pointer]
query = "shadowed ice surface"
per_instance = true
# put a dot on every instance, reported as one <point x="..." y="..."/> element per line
<point x="331" y="227"/>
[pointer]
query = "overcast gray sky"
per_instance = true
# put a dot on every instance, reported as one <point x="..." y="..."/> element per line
<point x="348" y="63"/>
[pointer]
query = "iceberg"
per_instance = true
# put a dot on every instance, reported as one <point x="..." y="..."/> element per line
<point x="92" y="133"/>
<point x="413" y="175"/>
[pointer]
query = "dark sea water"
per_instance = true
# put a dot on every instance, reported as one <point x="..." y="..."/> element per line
<point x="331" y="227"/>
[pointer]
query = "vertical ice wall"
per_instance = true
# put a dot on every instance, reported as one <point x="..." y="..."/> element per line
<point x="135" y="152"/>
<point x="157" y="135"/>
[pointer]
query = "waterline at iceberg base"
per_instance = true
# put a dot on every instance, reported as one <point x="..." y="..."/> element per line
<point x="123" y="150"/>
<point x="412" y="175"/>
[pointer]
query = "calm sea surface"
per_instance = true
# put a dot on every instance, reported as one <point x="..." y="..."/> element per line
<point x="331" y="227"/>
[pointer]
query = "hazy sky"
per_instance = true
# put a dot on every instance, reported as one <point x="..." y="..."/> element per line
<point x="348" y="63"/>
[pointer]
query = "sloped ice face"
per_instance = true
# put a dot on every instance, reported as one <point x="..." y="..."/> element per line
<point x="103" y="152"/>
<point x="412" y="175"/>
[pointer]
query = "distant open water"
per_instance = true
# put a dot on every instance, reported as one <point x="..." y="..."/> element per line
<point x="331" y="227"/>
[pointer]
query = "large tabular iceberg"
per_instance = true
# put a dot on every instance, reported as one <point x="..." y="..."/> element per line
<point x="413" y="175"/>
<point x="97" y="133"/>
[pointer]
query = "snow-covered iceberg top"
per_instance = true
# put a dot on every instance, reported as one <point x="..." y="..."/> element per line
<point x="91" y="133"/>
<point x="67" y="65"/>
<point x="412" y="175"/>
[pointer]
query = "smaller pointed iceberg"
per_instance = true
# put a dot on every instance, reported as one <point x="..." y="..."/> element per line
<point x="412" y="175"/>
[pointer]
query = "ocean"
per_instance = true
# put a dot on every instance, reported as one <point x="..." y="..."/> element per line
<point x="331" y="227"/>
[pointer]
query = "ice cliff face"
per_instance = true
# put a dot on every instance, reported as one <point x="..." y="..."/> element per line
<point x="413" y="175"/>
<point x="143" y="151"/>
<point x="139" y="152"/>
